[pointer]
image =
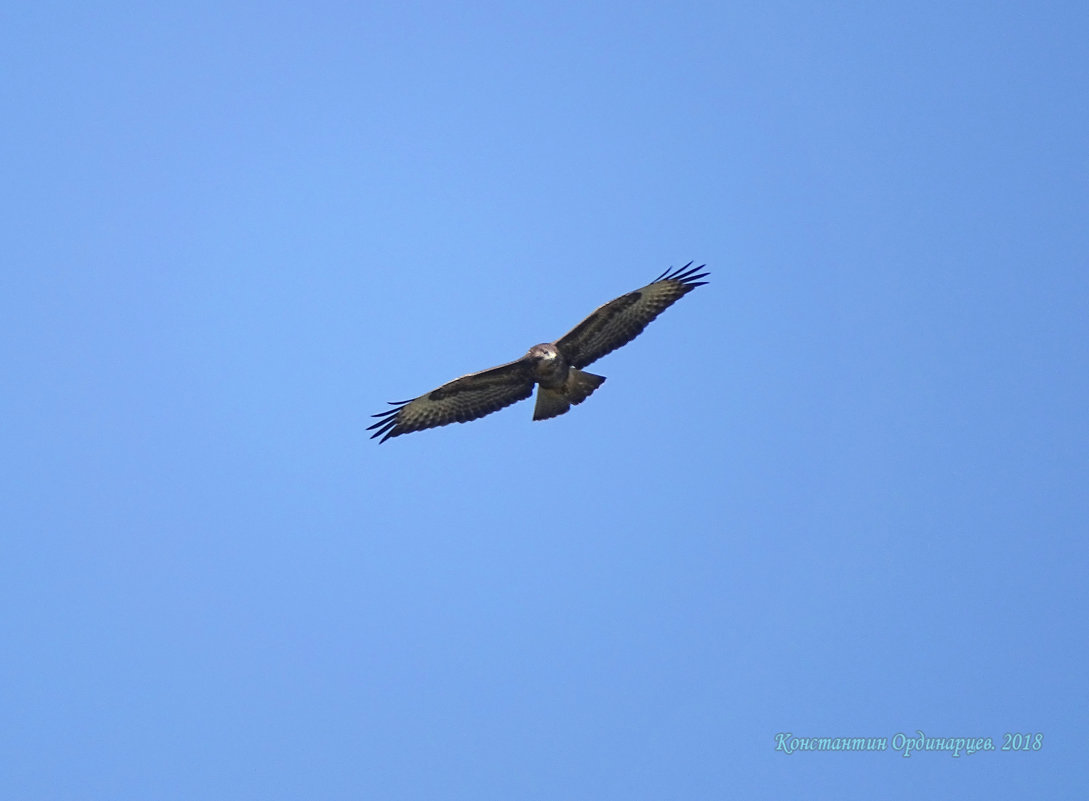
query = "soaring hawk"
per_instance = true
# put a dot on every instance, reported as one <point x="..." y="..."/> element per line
<point x="556" y="367"/>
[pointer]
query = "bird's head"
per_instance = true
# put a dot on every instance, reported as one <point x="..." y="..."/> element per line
<point x="543" y="353"/>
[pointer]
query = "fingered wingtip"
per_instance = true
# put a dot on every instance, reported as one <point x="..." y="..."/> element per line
<point x="386" y="429"/>
<point x="388" y="425"/>
<point x="687" y="275"/>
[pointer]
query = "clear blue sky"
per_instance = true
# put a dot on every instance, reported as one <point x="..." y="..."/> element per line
<point x="841" y="491"/>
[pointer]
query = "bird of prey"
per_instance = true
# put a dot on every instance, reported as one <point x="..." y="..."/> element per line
<point x="556" y="367"/>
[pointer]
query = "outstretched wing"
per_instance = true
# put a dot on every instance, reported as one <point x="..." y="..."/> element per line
<point x="458" y="401"/>
<point x="620" y="321"/>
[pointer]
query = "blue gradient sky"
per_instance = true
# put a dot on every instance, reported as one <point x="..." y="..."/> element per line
<point x="838" y="492"/>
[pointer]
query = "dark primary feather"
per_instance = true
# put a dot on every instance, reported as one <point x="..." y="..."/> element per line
<point x="458" y="401"/>
<point x="620" y="321"/>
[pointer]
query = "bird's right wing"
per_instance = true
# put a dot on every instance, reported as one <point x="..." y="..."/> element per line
<point x="458" y="401"/>
<point x="620" y="321"/>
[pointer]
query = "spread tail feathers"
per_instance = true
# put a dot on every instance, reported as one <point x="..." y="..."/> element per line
<point x="577" y="388"/>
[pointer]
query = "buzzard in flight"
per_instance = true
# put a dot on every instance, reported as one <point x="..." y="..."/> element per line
<point x="555" y="366"/>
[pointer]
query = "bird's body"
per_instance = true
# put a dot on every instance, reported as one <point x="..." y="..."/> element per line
<point x="554" y="367"/>
<point x="560" y="385"/>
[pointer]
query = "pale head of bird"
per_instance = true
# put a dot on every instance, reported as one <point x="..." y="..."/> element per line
<point x="543" y="353"/>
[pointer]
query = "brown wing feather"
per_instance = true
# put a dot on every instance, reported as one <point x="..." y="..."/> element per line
<point x="620" y="321"/>
<point x="458" y="401"/>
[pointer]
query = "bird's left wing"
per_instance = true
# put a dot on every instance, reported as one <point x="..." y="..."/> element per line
<point x="458" y="401"/>
<point x="620" y="321"/>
